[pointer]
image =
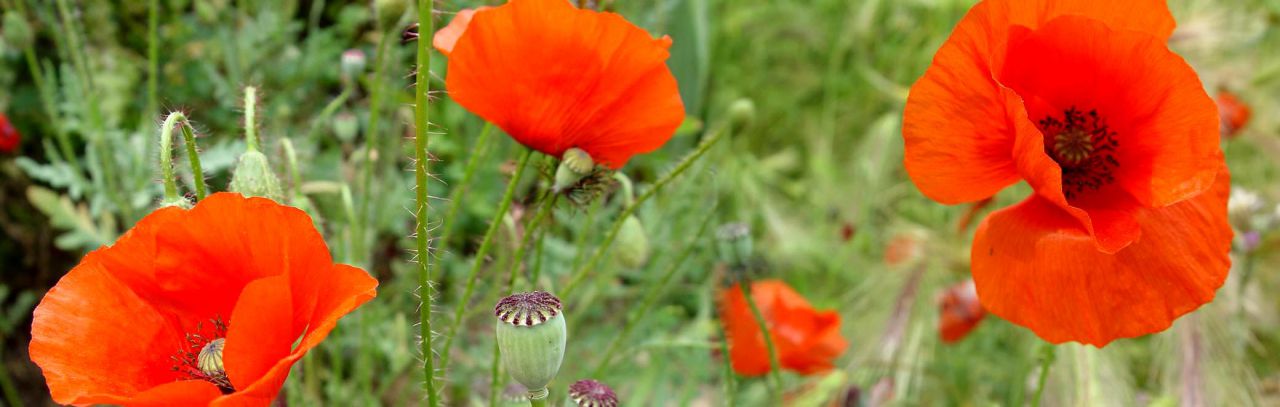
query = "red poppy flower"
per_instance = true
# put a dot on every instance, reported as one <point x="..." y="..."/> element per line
<point x="806" y="340"/>
<point x="1233" y="112"/>
<point x="9" y="137"/>
<point x="1083" y="100"/>
<point x="555" y="77"/>
<point x="141" y="323"/>
<point x="959" y="311"/>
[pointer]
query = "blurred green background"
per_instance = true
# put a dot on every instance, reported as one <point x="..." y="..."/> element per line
<point x="816" y="175"/>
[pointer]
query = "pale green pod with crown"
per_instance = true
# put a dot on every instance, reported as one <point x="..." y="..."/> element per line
<point x="531" y="338"/>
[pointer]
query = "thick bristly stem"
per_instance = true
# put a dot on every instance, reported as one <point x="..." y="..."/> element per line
<point x="684" y="164"/>
<point x="178" y="119"/>
<point x="421" y="116"/>
<point x="773" y="378"/>
<point x="478" y="152"/>
<point x="485" y="244"/>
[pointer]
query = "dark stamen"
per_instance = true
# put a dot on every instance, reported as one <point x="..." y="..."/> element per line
<point x="1084" y="146"/>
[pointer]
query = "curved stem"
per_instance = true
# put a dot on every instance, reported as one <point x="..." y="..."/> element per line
<point x="478" y="151"/>
<point x="628" y="190"/>
<point x="774" y="380"/>
<point x="684" y="164"/>
<point x="250" y="125"/>
<point x="485" y="244"/>
<point x="178" y="119"/>
<point x="1047" y="351"/>
<point x="421" y="116"/>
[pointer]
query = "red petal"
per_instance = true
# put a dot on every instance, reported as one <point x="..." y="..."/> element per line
<point x="555" y="77"/>
<point x="1033" y="267"/>
<point x="447" y="37"/>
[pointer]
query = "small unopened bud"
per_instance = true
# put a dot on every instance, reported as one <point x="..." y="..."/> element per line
<point x="575" y="164"/>
<point x="345" y="126"/>
<point x="590" y="393"/>
<point x="353" y="63"/>
<point x="531" y="338"/>
<point x="733" y="241"/>
<point x="180" y="202"/>
<point x="633" y="245"/>
<point x="741" y="113"/>
<point x="17" y="31"/>
<point x="253" y="177"/>
<point x="210" y="358"/>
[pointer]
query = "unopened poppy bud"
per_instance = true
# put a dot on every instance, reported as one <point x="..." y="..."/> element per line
<point x="253" y="177"/>
<point x="734" y="244"/>
<point x="531" y="338"/>
<point x="590" y="393"/>
<point x="575" y="164"/>
<point x="633" y="245"/>
<point x="345" y="126"/>
<point x="16" y="30"/>
<point x="353" y="63"/>
<point x="210" y="359"/>
<point x="741" y="113"/>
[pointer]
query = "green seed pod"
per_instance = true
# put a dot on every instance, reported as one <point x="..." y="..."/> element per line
<point x="575" y="165"/>
<point x="633" y="244"/>
<point x="590" y="393"/>
<point x="353" y="63"/>
<point x="210" y="358"/>
<point x="17" y="32"/>
<point x="345" y="126"/>
<point x="253" y="177"/>
<point x="531" y="338"/>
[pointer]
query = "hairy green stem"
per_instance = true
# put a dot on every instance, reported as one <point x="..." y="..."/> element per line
<point x="1047" y="351"/>
<point x="166" y="162"/>
<point x="774" y="380"/>
<point x="178" y="119"/>
<point x="651" y="296"/>
<point x="485" y="244"/>
<point x="684" y="164"/>
<point x="421" y="119"/>
<point x="478" y="152"/>
<point x="250" y="123"/>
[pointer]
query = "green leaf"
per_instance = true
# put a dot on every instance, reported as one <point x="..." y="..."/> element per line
<point x="81" y="231"/>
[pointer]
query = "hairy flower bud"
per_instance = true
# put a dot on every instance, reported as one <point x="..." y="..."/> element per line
<point x="253" y="177"/>
<point x="531" y="338"/>
<point x="633" y="244"/>
<point x="575" y="164"/>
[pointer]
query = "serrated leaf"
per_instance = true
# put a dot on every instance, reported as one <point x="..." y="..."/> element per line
<point x="81" y="232"/>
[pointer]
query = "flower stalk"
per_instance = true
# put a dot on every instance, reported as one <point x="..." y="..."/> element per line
<point x="421" y="116"/>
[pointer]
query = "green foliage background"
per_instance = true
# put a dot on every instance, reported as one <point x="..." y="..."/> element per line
<point x="822" y="156"/>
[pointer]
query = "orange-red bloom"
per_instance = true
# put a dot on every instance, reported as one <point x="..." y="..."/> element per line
<point x="959" y="312"/>
<point x="806" y="340"/>
<point x="1083" y="100"/>
<point x="1233" y="112"/>
<point x="9" y="137"/>
<point x="555" y="77"/>
<point x="445" y="39"/>
<point x="133" y="323"/>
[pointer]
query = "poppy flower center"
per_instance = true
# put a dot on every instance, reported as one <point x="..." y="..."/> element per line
<point x="1084" y="146"/>
<point x="201" y="356"/>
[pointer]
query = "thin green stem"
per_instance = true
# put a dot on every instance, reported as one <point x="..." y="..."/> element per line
<point x="1047" y="351"/>
<point x="548" y="204"/>
<point x="422" y="134"/>
<point x="495" y="376"/>
<point x="371" y="138"/>
<point x="166" y="161"/>
<point x="684" y="164"/>
<point x="478" y="152"/>
<point x="774" y="380"/>
<point x="250" y="123"/>
<point x="485" y="244"/>
<point x="651" y="296"/>
<point x="537" y="257"/>
<point x="46" y="99"/>
<point x="538" y="402"/>
<point x="337" y="102"/>
<point x="178" y="119"/>
<point x="291" y="159"/>
<point x="730" y="379"/>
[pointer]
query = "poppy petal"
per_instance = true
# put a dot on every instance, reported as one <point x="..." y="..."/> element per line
<point x="1034" y="267"/>
<point x="1163" y="121"/>
<point x="84" y="326"/>
<point x="555" y="77"/>
<point x="230" y="254"/>
<point x="183" y="393"/>
<point x="1150" y="17"/>
<point x="447" y="37"/>
<point x="957" y="148"/>
<point x="259" y="335"/>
